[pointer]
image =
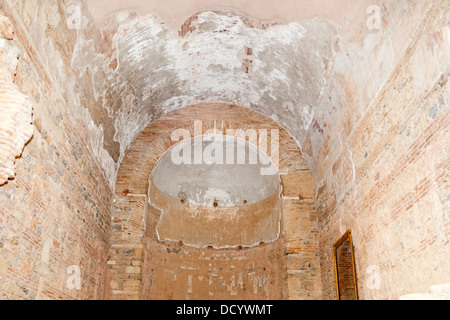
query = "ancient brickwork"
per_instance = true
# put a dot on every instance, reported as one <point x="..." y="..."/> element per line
<point x="396" y="201"/>
<point x="195" y="274"/>
<point x="55" y="215"/>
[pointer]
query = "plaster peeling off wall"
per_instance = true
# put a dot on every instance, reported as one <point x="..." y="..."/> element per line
<point x="279" y="71"/>
<point x="88" y="62"/>
<point x="15" y="109"/>
<point x="380" y="141"/>
<point x="360" y="70"/>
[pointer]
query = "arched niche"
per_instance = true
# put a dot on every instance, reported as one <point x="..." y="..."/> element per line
<point x="175" y="270"/>
<point x="15" y="108"/>
<point x="215" y="191"/>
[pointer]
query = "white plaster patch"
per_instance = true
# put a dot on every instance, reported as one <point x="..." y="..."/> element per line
<point x="221" y="60"/>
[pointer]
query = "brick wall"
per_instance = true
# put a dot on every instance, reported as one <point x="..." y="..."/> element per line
<point x="179" y="272"/>
<point x="16" y="110"/>
<point x="393" y="173"/>
<point x="289" y="267"/>
<point x="377" y="148"/>
<point x="55" y="214"/>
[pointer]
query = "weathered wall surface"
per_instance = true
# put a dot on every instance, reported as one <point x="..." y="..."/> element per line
<point x="216" y="57"/>
<point x="248" y="265"/>
<point x="174" y="272"/>
<point x="177" y="12"/>
<point x="346" y="282"/>
<point x="219" y="227"/>
<point x="126" y="254"/>
<point x="367" y="104"/>
<point x="135" y="245"/>
<point x="16" y="110"/>
<point x="138" y="69"/>
<point x="73" y="56"/>
<point x="55" y="214"/>
<point x="382" y="166"/>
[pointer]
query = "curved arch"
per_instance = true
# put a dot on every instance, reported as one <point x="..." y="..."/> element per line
<point x="15" y="108"/>
<point x="298" y="241"/>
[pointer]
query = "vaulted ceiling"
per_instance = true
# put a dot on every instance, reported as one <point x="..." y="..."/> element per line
<point x="312" y="66"/>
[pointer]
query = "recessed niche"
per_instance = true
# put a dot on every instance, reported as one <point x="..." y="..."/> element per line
<point x="216" y="204"/>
